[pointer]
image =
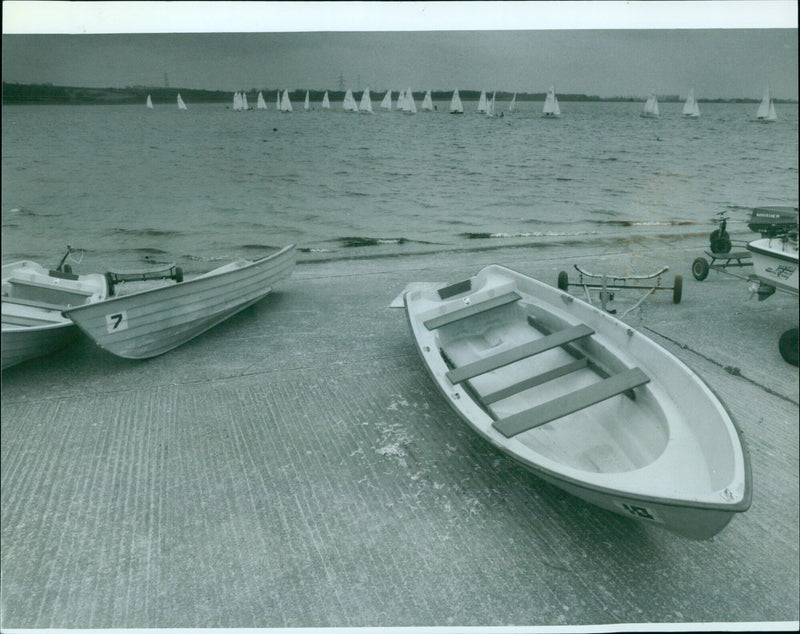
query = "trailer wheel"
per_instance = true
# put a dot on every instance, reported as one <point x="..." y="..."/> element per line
<point x="700" y="269"/>
<point x="178" y="274"/>
<point x="677" y="290"/>
<point x="563" y="280"/>
<point x="787" y="344"/>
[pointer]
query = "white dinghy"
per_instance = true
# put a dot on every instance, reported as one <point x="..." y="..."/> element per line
<point x="33" y="298"/>
<point x="147" y="323"/>
<point x="583" y="400"/>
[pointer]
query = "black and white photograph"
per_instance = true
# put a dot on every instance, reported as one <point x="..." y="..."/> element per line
<point x="432" y="317"/>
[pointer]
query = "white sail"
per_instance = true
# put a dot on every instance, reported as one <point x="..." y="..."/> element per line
<point x="409" y="107"/>
<point x="286" y="105"/>
<point x="401" y="98"/>
<point x="551" y="108"/>
<point x="261" y="105"/>
<point x="482" y="102"/>
<point x="455" y="103"/>
<point x="236" y="104"/>
<point x="427" y="102"/>
<point x="149" y="102"/>
<point x="650" y="110"/>
<point x="690" y="107"/>
<point x="386" y="104"/>
<point x="326" y="103"/>
<point x="181" y="105"/>
<point x="512" y="107"/>
<point x="307" y="104"/>
<point x="349" y="104"/>
<point x="366" y="103"/>
<point x="278" y="101"/>
<point x="490" y="106"/>
<point x="244" y="102"/>
<point x="766" y="109"/>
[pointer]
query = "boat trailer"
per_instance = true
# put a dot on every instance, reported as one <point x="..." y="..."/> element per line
<point x="606" y="284"/>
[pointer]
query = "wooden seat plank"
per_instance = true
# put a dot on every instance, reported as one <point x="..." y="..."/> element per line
<point x="472" y="309"/>
<point x="533" y="381"/>
<point x="495" y="361"/>
<point x="569" y="403"/>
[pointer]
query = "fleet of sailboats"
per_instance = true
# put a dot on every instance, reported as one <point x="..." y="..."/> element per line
<point x="690" y="107"/>
<point x="405" y="103"/>
<point x="551" y="108"/>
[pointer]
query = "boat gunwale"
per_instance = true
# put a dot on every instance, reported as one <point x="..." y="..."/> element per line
<point x="289" y="249"/>
<point x="777" y="255"/>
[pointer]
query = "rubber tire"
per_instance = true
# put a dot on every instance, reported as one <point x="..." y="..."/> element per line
<point x="787" y="344"/>
<point x="700" y="269"/>
<point x="677" y="290"/>
<point x="563" y="281"/>
<point x="721" y="244"/>
<point x="67" y="268"/>
<point x="178" y="274"/>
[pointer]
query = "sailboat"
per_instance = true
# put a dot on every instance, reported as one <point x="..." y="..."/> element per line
<point x="261" y="105"/>
<point x="349" y="103"/>
<point x="244" y="102"/>
<point x="455" y="103"/>
<point x="482" y="102"/>
<point x="690" y="108"/>
<point x="307" y="104"/>
<point x="286" y="105"/>
<point x="326" y="103"/>
<point x="181" y="105"/>
<point x="409" y="107"/>
<point x="237" y="102"/>
<point x="513" y="107"/>
<point x="650" y="110"/>
<point x="149" y="102"/>
<point x="766" y="109"/>
<point x="551" y="109"/>
<point x="490" y="106"/>
<point x="278" y="101"/>
<point x="386" y="104"/>
<point x="427" y="102"/>
<point x="401" y="98"/>
<point x="365" y="107"/>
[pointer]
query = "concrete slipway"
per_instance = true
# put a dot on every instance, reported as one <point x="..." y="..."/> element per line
<point x="295" y="467"/>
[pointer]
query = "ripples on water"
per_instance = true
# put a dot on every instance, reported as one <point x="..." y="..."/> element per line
<point x="130" y="186"/>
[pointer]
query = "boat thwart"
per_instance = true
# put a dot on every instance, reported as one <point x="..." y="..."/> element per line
<point x="583" y="400"/>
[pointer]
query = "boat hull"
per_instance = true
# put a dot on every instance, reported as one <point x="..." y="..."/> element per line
<point x="33" y="298"/>
<point x="21" y="343"/>
<point x="149" y="323"/>
<point x="775" y="263"/>
<point x="664" y="451"/>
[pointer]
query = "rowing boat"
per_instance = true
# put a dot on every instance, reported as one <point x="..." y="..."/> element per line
<point x="33" y="298"/>
<point x="151" y="322"/>
<point x="583" y="400"/>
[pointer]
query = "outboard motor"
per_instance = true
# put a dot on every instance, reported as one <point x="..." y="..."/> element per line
<point x="773" y="221"/>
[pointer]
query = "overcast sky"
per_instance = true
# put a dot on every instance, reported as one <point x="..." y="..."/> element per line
<point x="528" y="47"/>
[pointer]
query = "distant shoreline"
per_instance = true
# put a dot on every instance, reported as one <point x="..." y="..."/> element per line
<point x="48" y="94"/>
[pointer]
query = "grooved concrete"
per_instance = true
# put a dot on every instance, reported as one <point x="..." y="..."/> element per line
<point x="296" y="467"/>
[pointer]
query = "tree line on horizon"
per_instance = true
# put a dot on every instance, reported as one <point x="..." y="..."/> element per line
<point x="17" y="93"/>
